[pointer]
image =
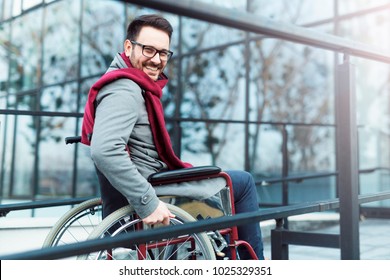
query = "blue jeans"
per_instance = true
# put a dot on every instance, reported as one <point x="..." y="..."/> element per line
<point x="245" y="200"/>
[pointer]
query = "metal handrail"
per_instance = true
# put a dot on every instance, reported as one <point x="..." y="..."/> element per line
<point x="295" y="178"/>
<point x="300" y="178"/>
<point x="187" y="228"/>
<point x="6" y="208"/>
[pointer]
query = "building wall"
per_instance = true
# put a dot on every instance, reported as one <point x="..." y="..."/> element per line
<point x="235" y="99"/>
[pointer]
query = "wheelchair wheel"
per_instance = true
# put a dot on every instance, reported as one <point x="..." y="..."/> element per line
<point x="186" y="247"/>
<point x="76" y="224"/>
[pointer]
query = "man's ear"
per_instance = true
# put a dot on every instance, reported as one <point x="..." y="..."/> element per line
<point x="127" y="46"/>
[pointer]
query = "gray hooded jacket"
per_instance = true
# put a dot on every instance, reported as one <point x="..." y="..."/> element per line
<point x="121" y="119"/>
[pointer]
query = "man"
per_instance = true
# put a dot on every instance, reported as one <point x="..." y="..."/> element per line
<point x="128" y="120"/>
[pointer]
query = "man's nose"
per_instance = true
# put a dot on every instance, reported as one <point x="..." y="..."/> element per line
<point x="156" y="58"/>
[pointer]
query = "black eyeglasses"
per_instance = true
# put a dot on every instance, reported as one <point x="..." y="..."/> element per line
<point x="150" y="51"/>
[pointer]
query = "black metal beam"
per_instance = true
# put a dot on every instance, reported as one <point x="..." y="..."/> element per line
<point x="261" y="25"/>
<point x="375" y="212"/>
<point x="347" y="160"/>
<point x="281" y="239"/>
<point x="6" y="208"/>
<point x="277" y="213"/>
<point x="312" y="239"/>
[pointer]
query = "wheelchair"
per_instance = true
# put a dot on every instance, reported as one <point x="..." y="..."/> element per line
<point x="75" y="225"/>
<point x="210" y="197"/>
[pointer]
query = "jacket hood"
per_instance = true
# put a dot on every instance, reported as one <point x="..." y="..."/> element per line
<point x="117" y="63"/>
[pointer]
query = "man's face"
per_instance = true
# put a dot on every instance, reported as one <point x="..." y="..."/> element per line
<point x="155" y="38"/>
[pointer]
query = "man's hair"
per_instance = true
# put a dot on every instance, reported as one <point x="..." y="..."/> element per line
<point x="153" y="20"/>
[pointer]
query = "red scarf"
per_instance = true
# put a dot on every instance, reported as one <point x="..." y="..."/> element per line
<point x="152" y="93"/>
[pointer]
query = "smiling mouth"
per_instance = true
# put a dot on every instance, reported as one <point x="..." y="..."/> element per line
<point x="152" y="68"/>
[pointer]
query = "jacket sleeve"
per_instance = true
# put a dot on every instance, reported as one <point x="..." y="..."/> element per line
<point x="116" y="114"/>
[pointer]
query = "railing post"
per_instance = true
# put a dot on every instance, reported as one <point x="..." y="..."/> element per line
<point x="279" y="250"/>
<point x="347" y="160"/>
<point x="285" y="171"/>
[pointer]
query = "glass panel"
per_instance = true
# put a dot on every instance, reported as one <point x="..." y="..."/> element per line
<point x="325" y="28"/>
<point x="376" y="26"/>
<point x="25" y="145"/>
<point x="372" y="90"/>
<point x="31" y="3"/>
<point x="197" y="35"/>
<point x="270" y="194"/>
<point x="370" y="150"/>
<point x="171" y="91"/>
<point x="228" y="4"/>
<point x="5" y="11"/>
<point x="6" y="146"/>
<point x="374" y="161"/>
<point x="11" y="101"/>
<point x="290" y="83"/>
<point x="293" y="11"/>
<point x="61" y="45"/>
<point x="60" y="98"/>
<point x="4" y="63"/>
<point x="373" y="99"/>
<point x="26" y="51"/>
<point x="3" y="125"/>
<point x="220" y="144"/>
<point x="16" y="7"/>
<point x="85" y="86"/>
<point x="3" y="103"/>
<point x="103" y="35"/>
<point x="265" y="151"/>
<point x="55" y="158"/>
<point x="87" y="181"/>
<point x="378" y="181"/>
<point x="349" y="6"/>
<point x="312" y="190"/>
<point x="174" y="21"/>
<point x="25" y="101"/>
<point x="311" y="149"/>
<point x="214" y="85"/>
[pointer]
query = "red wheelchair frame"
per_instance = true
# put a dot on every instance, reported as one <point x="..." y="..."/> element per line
<point x="201" y="173"/>
<point x="196" y="174"/>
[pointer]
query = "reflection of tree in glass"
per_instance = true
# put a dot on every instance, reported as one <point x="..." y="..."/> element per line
<point x="291" y="85"/>
<point x="211" y="94"/>
<point x="288" y="83"/>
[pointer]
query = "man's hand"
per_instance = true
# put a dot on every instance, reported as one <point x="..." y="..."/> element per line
<point x="160" y="215"/>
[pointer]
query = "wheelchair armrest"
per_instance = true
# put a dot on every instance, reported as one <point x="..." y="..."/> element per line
<point x="72" y="139"/>
<point x="183" y="174"/>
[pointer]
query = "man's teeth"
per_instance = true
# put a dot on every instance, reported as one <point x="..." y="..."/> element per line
<point x="153" y="69"/>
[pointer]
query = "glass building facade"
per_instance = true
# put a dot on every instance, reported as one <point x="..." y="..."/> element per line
<point x="235" y="99"/>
